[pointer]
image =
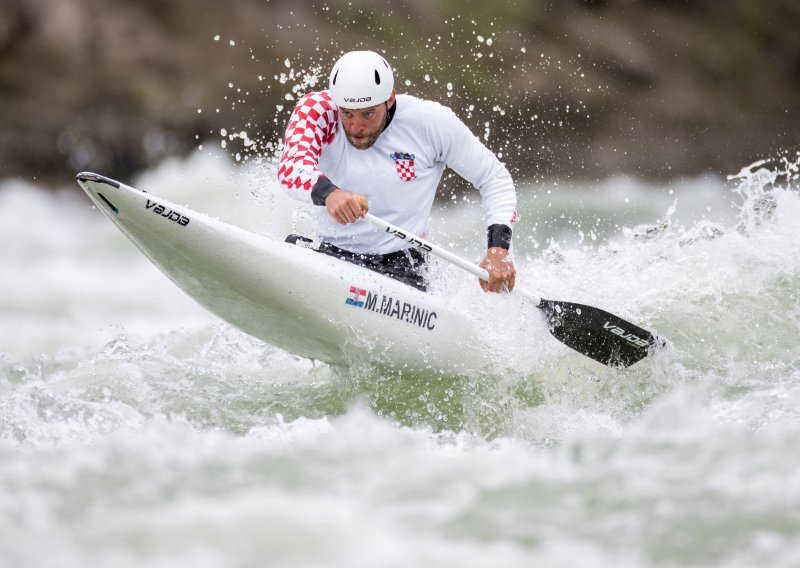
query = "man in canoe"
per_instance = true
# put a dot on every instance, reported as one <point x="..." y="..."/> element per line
<point x="358" y="146"/>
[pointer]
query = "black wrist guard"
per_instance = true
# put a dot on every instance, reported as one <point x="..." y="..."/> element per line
<point x="499" y="236"/>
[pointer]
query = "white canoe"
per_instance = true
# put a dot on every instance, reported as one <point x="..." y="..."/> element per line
<point x="306" y="303"/>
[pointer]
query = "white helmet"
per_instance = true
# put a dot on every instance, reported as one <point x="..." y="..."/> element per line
<point x="361" y="79"/>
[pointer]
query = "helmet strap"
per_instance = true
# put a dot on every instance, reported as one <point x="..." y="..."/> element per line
<point x="389" y="114"/>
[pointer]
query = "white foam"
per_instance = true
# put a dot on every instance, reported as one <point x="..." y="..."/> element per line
<point x="181" y="441"/>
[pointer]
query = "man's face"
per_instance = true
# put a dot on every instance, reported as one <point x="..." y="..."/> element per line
<point x="362" y="126"/>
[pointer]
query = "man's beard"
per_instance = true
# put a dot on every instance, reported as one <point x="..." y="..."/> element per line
<point x="371" y="137"/>
<point x="366" y="141"/>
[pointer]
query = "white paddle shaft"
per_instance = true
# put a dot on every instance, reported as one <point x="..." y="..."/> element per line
<point x="427" y="246"/>
<point x="437" y="250"/>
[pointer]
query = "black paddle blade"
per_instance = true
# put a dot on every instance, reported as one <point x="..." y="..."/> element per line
<point x="598" y="334"/>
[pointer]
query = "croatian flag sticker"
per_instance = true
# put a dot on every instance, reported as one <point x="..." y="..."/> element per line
<point x="356" y="298"/>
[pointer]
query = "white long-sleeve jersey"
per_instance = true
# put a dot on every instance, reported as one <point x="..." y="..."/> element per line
<point x="398" y="174"/>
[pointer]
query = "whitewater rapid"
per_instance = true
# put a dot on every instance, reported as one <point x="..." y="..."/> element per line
<point x="137" y="429"/>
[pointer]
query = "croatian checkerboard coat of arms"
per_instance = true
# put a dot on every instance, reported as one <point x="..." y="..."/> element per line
<point x="404" y="163"/>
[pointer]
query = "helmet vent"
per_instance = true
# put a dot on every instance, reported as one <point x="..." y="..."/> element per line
<point x="377" y="77"/>
<point x="334" y="77"/>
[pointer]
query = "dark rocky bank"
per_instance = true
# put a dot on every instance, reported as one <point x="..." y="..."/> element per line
<point x="568" y="88"/>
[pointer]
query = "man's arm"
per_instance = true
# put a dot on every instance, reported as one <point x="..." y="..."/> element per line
<point x="467" y="156"/>
<point x="313" y="123"/>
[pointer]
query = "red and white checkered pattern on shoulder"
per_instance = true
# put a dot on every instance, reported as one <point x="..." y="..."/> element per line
<point x="314" y="122"/>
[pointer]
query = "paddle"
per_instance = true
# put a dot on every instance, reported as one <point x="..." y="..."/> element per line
<point x="591" y="331"/>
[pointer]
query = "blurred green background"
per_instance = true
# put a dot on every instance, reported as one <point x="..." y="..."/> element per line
<point x="579" y="89"/>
